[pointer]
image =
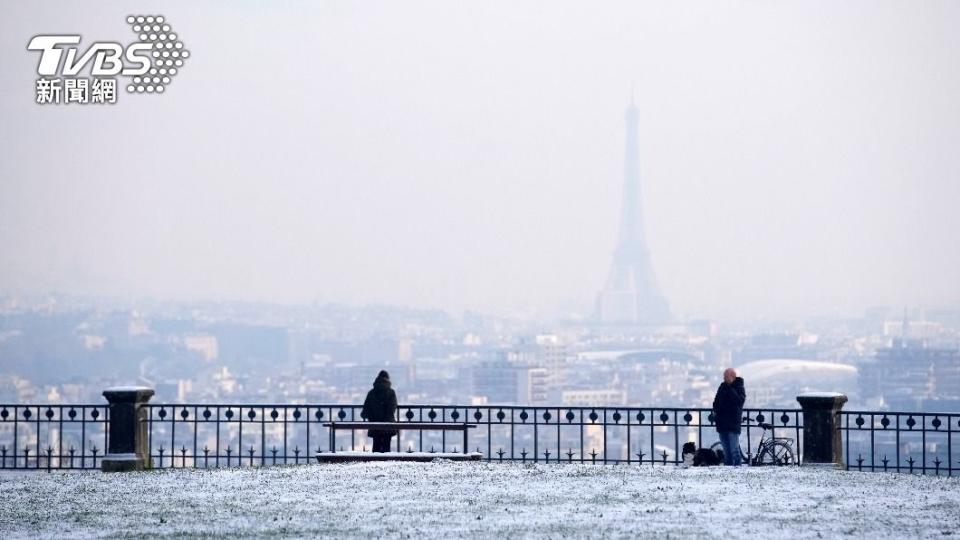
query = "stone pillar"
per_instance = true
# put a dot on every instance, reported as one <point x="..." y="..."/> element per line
<point x="127" y="450"/>
<point x="822" y="438"/>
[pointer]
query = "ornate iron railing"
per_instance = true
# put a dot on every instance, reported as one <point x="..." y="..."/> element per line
<point x="63" y="437"/>
<point x="200" y="435"/>
<point x="49" y="437"/>
<point x="901" y="441"/>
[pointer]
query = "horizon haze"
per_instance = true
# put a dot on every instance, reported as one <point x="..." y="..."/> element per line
<point x="795" y="158"/>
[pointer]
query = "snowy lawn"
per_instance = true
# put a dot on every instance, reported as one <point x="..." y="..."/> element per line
<point x="479" y="500"/>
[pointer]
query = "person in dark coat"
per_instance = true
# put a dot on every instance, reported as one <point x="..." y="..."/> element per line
<point x="380" y="406"/>
<point x="728" y="412"/>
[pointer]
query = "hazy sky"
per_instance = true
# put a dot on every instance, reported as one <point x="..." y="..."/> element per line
<point x="796" y="157"/>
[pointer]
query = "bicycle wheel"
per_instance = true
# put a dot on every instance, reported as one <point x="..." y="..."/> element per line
<point x="776" y="453"/>
<point x="718" y="448"/>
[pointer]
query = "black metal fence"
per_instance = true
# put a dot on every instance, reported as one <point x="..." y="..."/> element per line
<point x="901" y="441"/>
<point x="48" y="437"/>
<point x="64" y="437"/>
<point x="197" y="435"/>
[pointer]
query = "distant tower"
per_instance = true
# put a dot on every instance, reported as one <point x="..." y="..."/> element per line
<point x="631" y="294"/>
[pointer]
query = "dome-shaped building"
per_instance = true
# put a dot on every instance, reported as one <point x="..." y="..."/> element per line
<point x="778" y="382"/>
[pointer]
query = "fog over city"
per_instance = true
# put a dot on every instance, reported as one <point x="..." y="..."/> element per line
<point x="795" y="160"/>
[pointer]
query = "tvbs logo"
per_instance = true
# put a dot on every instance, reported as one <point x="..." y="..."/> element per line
<point x="107" y="57"/>
<point x="149" y="64"/>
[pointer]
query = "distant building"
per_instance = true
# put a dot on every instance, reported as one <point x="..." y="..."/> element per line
<point x="631" y="294"/>
<point x="314" y="367"/>
<point x="547" y="352"/>
<point x="655" y="376"/>
<point x="502" y="382"/>
<point x="204" y="345"/>
<point x="595" y="398"/>
<point x="778" y="346"/>
<point x="908" y="374"/>
<point x="777" y="382"/>
<point x="703" y="328"/>
<point x="553" y="355"/>
<point x="912" y="329"/>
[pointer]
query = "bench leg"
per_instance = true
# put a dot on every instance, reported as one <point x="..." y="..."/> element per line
<point x="465" y="431"/>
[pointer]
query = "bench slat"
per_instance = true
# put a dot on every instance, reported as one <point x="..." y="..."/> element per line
<point x="445" y="426"/>
<point x="346" y="457"/>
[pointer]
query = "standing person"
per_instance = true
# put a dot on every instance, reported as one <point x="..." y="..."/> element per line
<point x="380" y="406"/>
<point x="728" y="410"/>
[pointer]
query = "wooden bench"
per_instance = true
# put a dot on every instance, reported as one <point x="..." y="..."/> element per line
<point x="396" y="426"/>
<point x="348" y="457"/>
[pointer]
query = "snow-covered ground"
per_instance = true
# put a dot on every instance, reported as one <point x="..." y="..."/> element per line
<point x="480" y="500"/>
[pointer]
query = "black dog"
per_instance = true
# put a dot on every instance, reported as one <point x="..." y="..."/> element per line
<point x="699" y="457"/>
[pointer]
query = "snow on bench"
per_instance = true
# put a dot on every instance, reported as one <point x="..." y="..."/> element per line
<point x="399" y="426"/>
<point x="345" y="457"/>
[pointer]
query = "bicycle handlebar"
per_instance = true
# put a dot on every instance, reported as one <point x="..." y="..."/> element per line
<point x="763" y="425"/>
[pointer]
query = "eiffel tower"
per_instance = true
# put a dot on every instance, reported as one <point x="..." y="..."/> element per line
<point x="631" y="294"/>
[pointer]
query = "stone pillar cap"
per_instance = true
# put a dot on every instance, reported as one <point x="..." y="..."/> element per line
<point x="129" y="389"/>
<point x="821" y="400"/>
<point x="821" y="395"/>
<point x="128" y="394"/>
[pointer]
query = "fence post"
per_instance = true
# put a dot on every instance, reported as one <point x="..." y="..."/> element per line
<point x="822" y="438"/>
<point x="127" y="450"/>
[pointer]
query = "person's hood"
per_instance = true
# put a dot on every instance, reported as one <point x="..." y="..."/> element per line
<point x="383" y="379"/>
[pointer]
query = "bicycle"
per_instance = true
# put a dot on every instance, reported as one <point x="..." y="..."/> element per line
<point x="770" y="450"/>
